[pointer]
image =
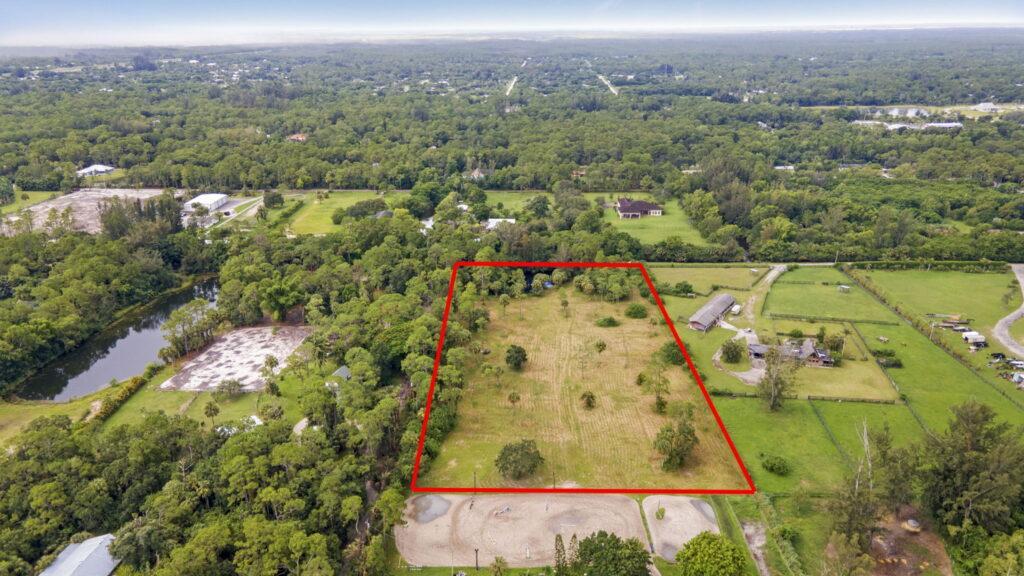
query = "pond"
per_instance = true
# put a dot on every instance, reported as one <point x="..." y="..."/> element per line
<point x="119" y="352"/>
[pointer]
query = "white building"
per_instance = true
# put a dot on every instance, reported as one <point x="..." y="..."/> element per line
<point x="88" y="558"/>
<point x="492" y="223"/>
<point x="95" y="170"/>
<point x="209" y="201"/>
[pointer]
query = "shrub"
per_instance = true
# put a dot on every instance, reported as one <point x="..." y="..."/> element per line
<point x="660" y="514"/>
<point x="589" y="400"/>
<point x="607" y="322"/>
<point x="796" y="333"/>
<point x="519" y="459"/>
<point x="775" y="464"/>
<point x="732" y="351"/>
<point x="515" y="357"/>
<point x="671" y="353"/>
<point x="711" y="555"/>
<point x="636" y="310"/>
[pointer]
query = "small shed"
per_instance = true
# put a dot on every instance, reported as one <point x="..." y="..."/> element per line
<point x="845" y="289"/>
<point x="342" y="372"/>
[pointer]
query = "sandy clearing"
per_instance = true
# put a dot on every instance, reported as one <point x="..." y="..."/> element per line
<point x="684" y="519"/>
<point x="442" y="530"/>
<point x="239" y="355"/>
<point x="84" y="205"/>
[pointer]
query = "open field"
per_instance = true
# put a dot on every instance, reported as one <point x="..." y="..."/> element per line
<point x="238" y="355"/>
<point x="824" y="301"/>
<point x="793" y="433"/>
<point x="846" y="419"/>
<point x="33" y="198"/>
<point x="932" y="380"/>
<point x="703" y="279"/>
<point x="315" y="216"/>
<point x="442" y="530"/>
<point x="610" y="445"/>
<point x="14" y="416"/>
<point x="85" y="205"/>
<point x="983" y="299"/>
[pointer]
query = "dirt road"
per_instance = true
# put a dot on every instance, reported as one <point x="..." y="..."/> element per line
<point x="1002" y="329"/>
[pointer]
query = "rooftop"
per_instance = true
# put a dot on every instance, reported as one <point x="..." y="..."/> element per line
<point x="88" y="558"/>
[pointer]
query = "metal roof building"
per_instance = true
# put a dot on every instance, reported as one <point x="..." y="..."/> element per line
<point x="210" y="201"/>
<point x="709" y="314"/>
<point x="89" y="558"/>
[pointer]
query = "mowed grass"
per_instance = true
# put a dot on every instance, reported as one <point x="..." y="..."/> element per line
<point x="610" y="446"/>
<point x="793" y="433"/>
<point x="981" y="298"/>
<point x="703" y="279"/>
<point x="14" y="416"/>
<point x="823" y="301"/>
<point x="932" y="380"/>
<point x="846" y="420"/>
<point x="19" y="203"/>
<point x="315" y="215"/>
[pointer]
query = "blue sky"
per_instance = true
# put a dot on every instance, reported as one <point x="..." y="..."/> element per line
<point x="111" y="22"/>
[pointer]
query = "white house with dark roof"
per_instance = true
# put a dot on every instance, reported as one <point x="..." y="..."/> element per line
<point x="636" y="208"/>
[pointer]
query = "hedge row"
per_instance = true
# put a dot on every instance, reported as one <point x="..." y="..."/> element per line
<point x="125" y="391"/>
<point x="938" y="265"/>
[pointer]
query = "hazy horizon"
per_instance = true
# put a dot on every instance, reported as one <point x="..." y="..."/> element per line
<point x="111" y="23"/>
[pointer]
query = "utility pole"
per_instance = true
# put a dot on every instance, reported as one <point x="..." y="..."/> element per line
<point x="477" y="552"/>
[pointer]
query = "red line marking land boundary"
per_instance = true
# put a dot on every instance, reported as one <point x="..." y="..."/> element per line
<point x="689" y="362"/>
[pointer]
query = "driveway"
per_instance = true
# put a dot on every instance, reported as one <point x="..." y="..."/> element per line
<point x="1002" y="329"/>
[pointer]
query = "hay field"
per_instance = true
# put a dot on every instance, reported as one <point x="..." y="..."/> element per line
<point x="609" y="446"/>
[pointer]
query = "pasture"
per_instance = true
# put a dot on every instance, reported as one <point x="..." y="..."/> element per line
<point x="846" y="419"/>
<point x="20" y="203"/>
<point x="704" y="279"/>
<point x="315" y="215"/>
<point x="824" y="301"/>
<point x="610" y="445"/>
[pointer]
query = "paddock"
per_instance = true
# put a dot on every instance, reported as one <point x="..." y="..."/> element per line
<point x="684" y="519"/>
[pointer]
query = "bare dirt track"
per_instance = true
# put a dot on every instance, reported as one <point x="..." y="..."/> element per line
<point x="443" y="530"/>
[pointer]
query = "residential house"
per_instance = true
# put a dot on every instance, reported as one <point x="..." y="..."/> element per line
<point x="636" y="208"/>
<point x="88" y="558"/>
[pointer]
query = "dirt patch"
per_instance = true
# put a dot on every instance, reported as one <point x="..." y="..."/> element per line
<point x="900" y="552"/>
<point x="756" y="538"/>
<point x="94" y="408"/>
<point x="444" y="529"/>
<point x="85" y="206"/>
<point x="238" y="355"/>
<point x="684" y="519"/>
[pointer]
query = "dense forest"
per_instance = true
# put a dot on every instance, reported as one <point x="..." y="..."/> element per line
<point x="700" y="124"/>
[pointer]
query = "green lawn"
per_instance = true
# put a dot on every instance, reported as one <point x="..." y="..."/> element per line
<point x="18" y="204"/>
<point x="825" y="301"/>
<point x="846" y="419"/>
<point x="816" y="274"/>
<point x="702" y="279"/>
<point x="15" y="415"/>
<point x="932" y="380"/>
<point x="981" y="298"/>
<point x="315" y="216"/>
<point x="793" y="433"/>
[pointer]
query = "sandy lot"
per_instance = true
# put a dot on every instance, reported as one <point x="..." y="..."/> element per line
<point x="85" y="205"/>
<point x="442" y="529"/>
<point x="238" y="355"/>
<point x="684" y="519"/>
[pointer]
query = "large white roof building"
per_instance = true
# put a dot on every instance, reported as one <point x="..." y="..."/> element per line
<point x="89" y="558"/>
<point x="210" y="201"/>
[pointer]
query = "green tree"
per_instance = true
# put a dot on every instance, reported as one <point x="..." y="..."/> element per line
<point x="710" y="554"/>
<point x="604" y="554"/>
<point x="499" y="567"/>
<point x="778" y="380"/>
<point x="843" y="557"/>
<point x="211" y="410"/>
<point x="518" y="460"/>
<point x="676" y="443"/>
<point x="589" y="400"/>
<point x="732" y="351"/>
<point x="515" y="357"/>
<point x="1005" y="556"/>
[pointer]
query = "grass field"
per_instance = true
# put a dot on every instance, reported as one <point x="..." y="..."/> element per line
<point x="702" y="279"/>
<point x="846" y="419"/>
<point x="15" y="415"/>
<point x="821" y="301"/>
<point x="932" y="380"/>
<point x="981" y="298"/>
<point x="793" y="433"/>
<point x="315" y="216"/>
<point x="18" y="204"/>
<point x="608" y="446"/>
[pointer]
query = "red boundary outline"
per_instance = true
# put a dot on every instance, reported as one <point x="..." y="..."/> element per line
<point x="693" y="370"/>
